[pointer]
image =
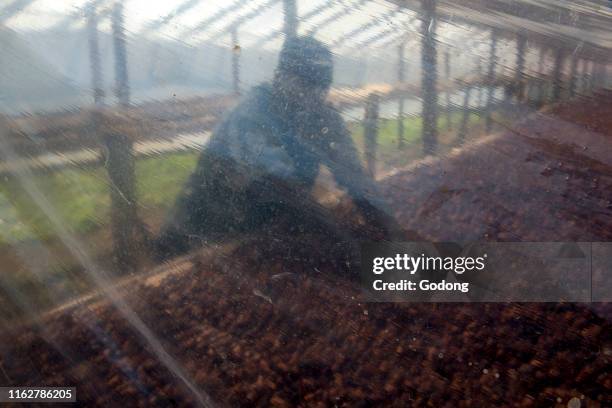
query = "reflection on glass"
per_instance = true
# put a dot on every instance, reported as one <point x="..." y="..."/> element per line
<point x="185" y="187"/>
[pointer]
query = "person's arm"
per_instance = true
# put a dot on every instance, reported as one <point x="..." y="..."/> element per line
<point x="343" y="161"/>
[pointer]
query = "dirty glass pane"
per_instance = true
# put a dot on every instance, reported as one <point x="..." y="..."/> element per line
<point x="199" y="199"/>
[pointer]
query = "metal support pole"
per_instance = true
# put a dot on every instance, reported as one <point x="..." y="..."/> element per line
<point x="573" y="75"/>
<point x="490" y="80"/>
<point x="120" y="159"/>
<point x="94" y="56"/>
<point x="480" y="88"/>
<point x="291" y="18"/>
<point x="467" y="111"/>
<point x="235" y="61"/>
<point x="400" y="78"/>
<point x="591" y="75"/>
<point x="122" y="89"/>
<point x="585" y="75"/>
<point x="447" y="74"/>
<point x="600" y="73"/>
<point x="521" y="45"/>
<point x="595" y="75"/>
<point x="556" y="91"/>
<point x="540" y="97"/>
<point x="429" y="81"/>
<point x="370" y="131"/>
<point x="581" y="75"/>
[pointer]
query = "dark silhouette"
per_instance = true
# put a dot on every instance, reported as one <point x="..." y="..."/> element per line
<point x="261" y="163"/>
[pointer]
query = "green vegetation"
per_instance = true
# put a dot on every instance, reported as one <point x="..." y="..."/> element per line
<point x="80" y="195"/>
<point x="388" y="149"/>
<point x="160" y="179"/>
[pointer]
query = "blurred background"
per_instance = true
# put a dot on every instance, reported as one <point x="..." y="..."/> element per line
<point x="492" y="122"/>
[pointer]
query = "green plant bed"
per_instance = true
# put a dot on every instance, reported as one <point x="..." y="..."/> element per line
<point x="388" y="144"/>
<point x="81" y="198"/>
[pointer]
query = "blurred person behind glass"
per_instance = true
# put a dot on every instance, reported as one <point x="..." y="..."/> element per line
<point x="260" y="166"/>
